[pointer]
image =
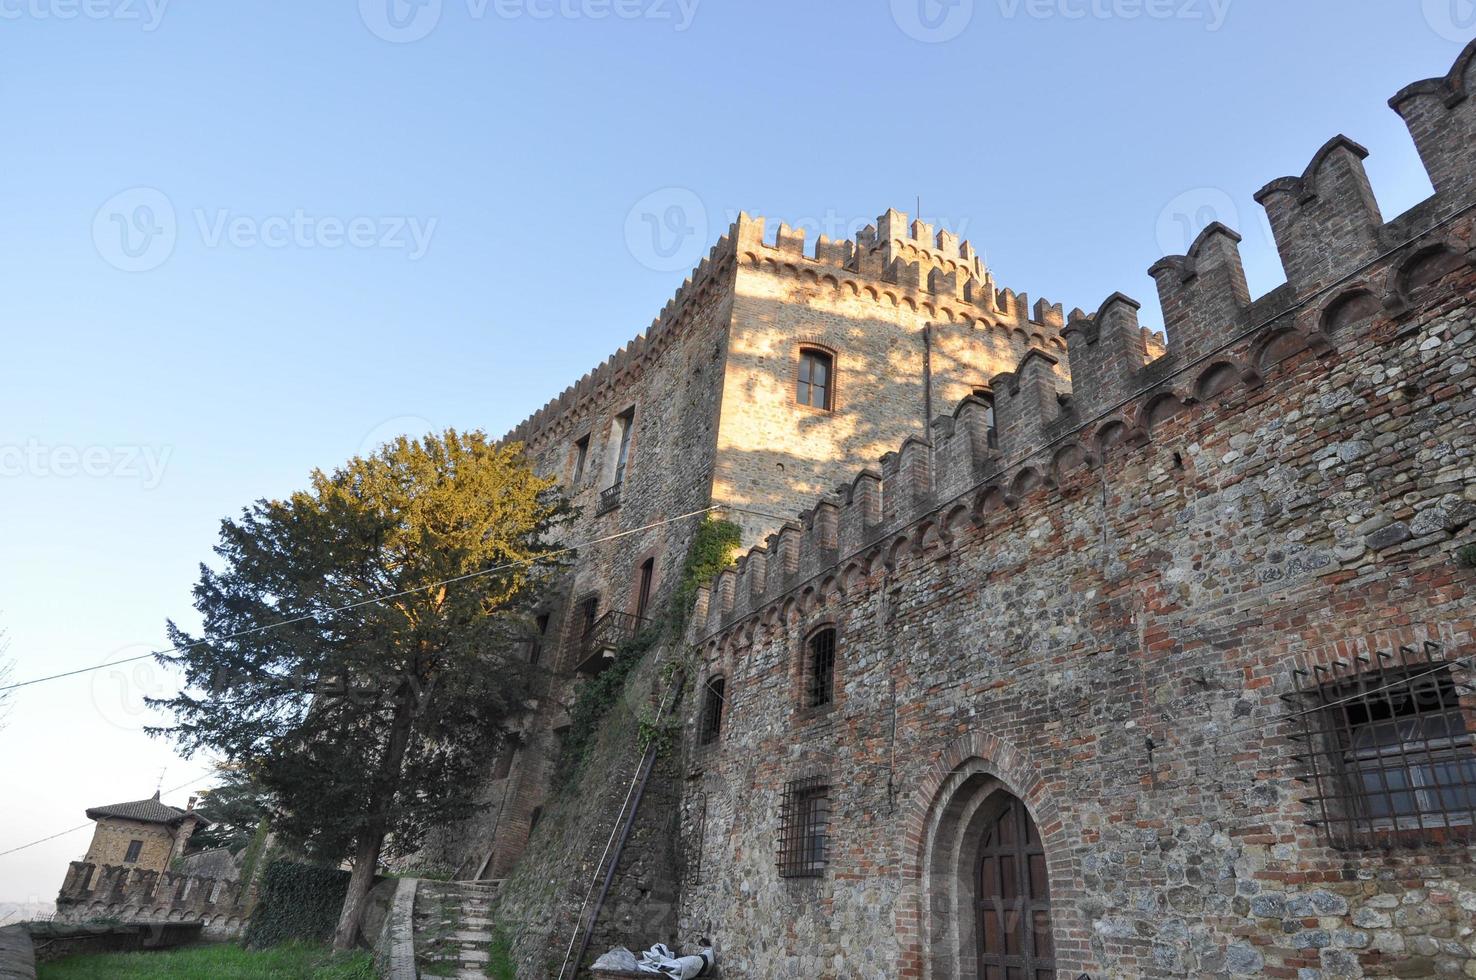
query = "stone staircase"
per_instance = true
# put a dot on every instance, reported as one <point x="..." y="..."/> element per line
<point x="453" y="928"/>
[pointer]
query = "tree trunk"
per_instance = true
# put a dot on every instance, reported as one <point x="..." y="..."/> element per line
<point x="371" y="839"/>
<point x="366" y="859"/>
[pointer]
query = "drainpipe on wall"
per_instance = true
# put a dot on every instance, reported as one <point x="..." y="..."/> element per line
<point x="927" y="339"/>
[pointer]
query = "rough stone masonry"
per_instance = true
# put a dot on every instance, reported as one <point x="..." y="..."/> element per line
<point x="1088" y="652"/>
<point x="1169" y="678"/>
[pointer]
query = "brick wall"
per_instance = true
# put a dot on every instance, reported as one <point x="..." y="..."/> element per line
<point x="1101" y="617"/>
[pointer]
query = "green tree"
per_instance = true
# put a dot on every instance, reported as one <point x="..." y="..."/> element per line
<point x="235" y="808"/>
<point x="359" y="643"/>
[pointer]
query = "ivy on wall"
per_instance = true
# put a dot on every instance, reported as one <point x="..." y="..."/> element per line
<point x="712" y="549"/>
<point x="298" y="902"/>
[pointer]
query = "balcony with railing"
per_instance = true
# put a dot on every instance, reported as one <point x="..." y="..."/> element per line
<point x="609" y="499"/>
<point x="598" y="644"/>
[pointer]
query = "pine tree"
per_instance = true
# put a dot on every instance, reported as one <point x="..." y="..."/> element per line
<point x="359" y="652"/>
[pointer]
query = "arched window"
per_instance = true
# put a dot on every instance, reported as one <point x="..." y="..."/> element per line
<point x="815" y="384"/>
<point x="712" y="710"/>
<point x="820" y="669"/>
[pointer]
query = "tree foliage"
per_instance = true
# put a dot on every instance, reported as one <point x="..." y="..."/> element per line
<point x="358" y="645"/>
<point x="235" y="808"/>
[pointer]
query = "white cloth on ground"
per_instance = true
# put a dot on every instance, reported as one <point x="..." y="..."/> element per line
<point x="660" y="959"/>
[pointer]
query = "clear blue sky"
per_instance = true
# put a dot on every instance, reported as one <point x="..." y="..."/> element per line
<point x="187" y="327"/>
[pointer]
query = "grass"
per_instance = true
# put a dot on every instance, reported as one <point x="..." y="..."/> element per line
<point x="501" y="966"/>
<point x="221" y="962"/>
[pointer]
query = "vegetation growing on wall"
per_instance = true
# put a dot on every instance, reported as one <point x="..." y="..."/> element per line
<point x="595" y="699"/>
<point x="713" y="548"/>
<point x="299" y="902"/>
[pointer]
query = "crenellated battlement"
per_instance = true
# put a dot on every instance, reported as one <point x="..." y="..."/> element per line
<point x="932" y="264"/>
<point x="129" y="894"/>
<point x="1352" y="279"/>
<point x="630" y="359"/>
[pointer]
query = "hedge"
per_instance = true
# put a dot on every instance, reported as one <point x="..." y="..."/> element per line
<point x="299" y="902"/>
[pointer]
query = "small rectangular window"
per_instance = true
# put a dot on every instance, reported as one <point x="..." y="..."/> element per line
<point x="816" y="379"/>
<point x="803" y="828"/>
<point x="589" y="611"/>
<point x="712" y="710"/>
<point x="821" y="687"/>
<point x="535" y="650"/>
<point x="135" y="847"/>
<point x="581" y="457"/>
<point x="643" y="587"/>
<point x="624" y="423"/>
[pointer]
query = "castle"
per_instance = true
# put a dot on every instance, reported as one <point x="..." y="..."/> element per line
<point x="1087" y="651"/>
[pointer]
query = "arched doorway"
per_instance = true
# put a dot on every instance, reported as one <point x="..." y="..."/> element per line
<point x="1012" y="902"/>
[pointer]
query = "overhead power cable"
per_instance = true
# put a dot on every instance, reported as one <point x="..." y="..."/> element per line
<point x="73" y="830"/>
<point x="393" y="595"/>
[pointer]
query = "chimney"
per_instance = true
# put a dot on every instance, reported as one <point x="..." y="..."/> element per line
<point x="191" y="805"/>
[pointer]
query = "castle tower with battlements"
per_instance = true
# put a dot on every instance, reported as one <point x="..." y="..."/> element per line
<point x="1056" y="647"/>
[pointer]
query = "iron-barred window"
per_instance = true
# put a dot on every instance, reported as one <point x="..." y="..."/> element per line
<point x="712" y="710"/>
<point x="820" y="689"/>
<point x="803" y="824"/>
<point x="1388" y="751"/>
<point x="135" y="847"/>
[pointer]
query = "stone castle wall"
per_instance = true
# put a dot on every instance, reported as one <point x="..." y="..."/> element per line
<point x="902" y="338"/>
<point x="127" y="894"/>
<point x="1101" y="616"/>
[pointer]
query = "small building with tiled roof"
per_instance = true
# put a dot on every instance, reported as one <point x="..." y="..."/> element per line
<point x="144" y="834"/>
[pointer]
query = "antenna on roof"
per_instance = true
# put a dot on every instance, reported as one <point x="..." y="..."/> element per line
<point x="158" y="787"/>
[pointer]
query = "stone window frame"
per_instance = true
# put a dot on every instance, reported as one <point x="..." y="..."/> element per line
<point x="133" y="852"/>
<point x="573" y="634"/>
<point x="653" y="555"/>
<point x="1326" y="705"/>
<point x="579" y="468"/>
<point x="710" y="733"/>
<point x="802" y="673"/>
<point x="794" y="860"/>
<point x="802" y="346"/>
